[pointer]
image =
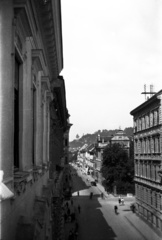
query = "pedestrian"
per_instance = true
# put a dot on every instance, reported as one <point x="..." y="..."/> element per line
<point x="79" y="208"/>
<point x="69" y="218"/>
<point x="76" y="226"/>
<point x="119" y="200"/>
<point x="74" y="216"/>
<point x="78" y="193"/>
<point x="122" y="201"/>
<point x="65" y="217"/>
<point x="133" y="208"/>
<point x="102" y="195"/>
<point x="115" y="209"/>
<point x="68" y="211"/>
<point x="70" y="235"/>
<point x="91" y="195"/>
<point x="67" y="204"/>
<point x="76" y="234"/>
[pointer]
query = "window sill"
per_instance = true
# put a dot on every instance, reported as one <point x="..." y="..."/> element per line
<point x="21" y="179"/>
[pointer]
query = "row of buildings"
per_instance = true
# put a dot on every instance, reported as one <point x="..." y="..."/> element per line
<point x="90" y="156"/>
<point x="148" y="159"/>
<point x="34" y="120"/>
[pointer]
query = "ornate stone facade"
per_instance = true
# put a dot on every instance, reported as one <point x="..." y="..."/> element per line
<point x="31" y="60"/>
<point x="148" y="159"/>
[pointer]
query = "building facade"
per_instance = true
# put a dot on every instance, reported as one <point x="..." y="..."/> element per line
<point x="102" y="142"/>
<point x="33" y="117"/>
<point x="89" y="159"/>
<point x="121" y="138"/>
<point x="82" y="156"/>
<point x="148" y="159"/>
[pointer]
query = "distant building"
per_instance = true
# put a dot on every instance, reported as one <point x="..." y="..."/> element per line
<point x="81" y="155"/>
<point x="89" y="159"/>
<point x="121" y="138"/>
<point x="102" y="142"/>
<point x="148" y="159"/>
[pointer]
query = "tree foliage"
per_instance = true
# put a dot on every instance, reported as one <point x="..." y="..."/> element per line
<point x="117" y="167"/>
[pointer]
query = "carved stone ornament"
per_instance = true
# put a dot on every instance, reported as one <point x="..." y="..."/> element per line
<point x="20" y="187"/>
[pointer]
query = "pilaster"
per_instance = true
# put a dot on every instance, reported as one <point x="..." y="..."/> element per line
<point x="26" y="111"/>
<point x="6" y="87"/>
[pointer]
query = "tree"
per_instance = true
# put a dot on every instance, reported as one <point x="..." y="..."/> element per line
<point x="117" y="168"/>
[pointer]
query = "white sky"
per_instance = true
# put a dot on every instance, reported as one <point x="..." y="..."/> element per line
<point x="111" y="49"/>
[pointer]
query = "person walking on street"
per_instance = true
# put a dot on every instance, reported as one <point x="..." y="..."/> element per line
<point x="116" y="209"/>
<point x="122" y="201"/>
<point x="68" y="211"/>
<point x="70" y="235"/>
<point x="79" y="208"/>
<point x="102" y="195"/>
<point x="76" y="235"/>
<point x="76" y="226"/>
<point x="91" y="195"/>
<point x="76" y="230"/>
<point x="119" y="200"/>
<point x="67" y="204"/>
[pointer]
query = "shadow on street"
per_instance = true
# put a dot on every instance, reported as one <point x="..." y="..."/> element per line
<point x="92" y="224"/>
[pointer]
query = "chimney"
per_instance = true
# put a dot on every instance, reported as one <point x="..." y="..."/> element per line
<point x="145" y="91"/>
<point x="151" y="90"/>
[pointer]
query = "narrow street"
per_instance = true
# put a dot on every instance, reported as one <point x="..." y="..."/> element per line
<point x="97" y="219"/>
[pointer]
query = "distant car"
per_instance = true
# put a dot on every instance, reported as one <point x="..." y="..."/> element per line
<point x="93" y="183"/>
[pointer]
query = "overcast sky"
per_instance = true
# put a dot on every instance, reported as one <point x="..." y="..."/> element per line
<point x="111" y="49"/>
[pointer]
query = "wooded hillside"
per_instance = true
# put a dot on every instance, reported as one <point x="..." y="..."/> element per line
<point x="91" y="138"/>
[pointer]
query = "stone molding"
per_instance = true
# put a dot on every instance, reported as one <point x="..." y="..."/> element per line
<point x="38" y="59"/>
<point x="22" y="179"/>
<point x="21" y="9"/>
<point x="148" y="182"/>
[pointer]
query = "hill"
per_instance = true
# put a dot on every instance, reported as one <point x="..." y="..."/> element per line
<point x="91" y="138"/>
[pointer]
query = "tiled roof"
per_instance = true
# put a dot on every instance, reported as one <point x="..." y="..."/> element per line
<point x="90" y="147"/>
<point x="83" y="147"/>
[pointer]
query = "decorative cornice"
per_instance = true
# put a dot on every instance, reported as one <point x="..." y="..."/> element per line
<point x="38" y="58"/>
<point x="49" y="96"/>
<point x="21" y="9"/>
<point x="47" y="25"/>
<point x="45" y="83"/>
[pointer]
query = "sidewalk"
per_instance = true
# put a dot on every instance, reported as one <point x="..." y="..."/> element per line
<point x="69" y="226"/>
<point x="146" y="231"/>
<point x="140" y="225"/>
